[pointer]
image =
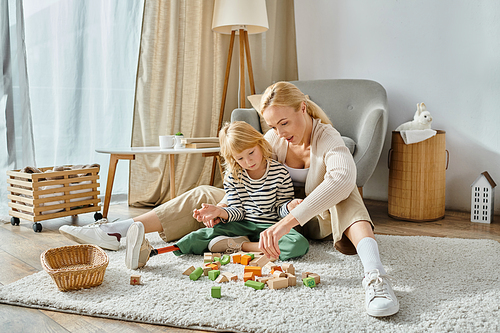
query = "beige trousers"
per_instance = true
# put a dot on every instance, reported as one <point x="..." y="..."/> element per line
<point x="176" y="217"/>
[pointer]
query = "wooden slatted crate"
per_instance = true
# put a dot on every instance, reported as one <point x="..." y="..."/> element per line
<point x="47" y="195"/>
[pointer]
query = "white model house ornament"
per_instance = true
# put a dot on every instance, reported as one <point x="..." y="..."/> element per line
<point x="482" y="199"/>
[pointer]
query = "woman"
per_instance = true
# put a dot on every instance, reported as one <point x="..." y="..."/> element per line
<point x="304" y="140"/>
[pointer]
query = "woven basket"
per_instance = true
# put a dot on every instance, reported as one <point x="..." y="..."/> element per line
<point x="75" y="267"/>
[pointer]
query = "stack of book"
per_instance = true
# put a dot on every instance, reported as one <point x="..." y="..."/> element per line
<point x="205" y="142"/>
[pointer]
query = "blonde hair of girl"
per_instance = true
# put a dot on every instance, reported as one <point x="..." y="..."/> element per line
<point x="287" y="94"/>
<point x="236" y="137"/>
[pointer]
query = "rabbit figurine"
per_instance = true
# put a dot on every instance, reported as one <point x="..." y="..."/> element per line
<point x="422" y="120"/>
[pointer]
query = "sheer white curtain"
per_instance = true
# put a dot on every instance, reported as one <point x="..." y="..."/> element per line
<point x="81" y="61"/>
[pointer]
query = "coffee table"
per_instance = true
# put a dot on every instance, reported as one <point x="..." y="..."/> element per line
<point x="129" y="153"/>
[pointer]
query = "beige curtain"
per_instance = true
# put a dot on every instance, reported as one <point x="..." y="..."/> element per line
<point x="179" y="86"/>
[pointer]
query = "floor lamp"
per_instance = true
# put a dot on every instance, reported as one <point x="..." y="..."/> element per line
<point x="238" y="17"/>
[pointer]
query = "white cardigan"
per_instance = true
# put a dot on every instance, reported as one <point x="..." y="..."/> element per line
<point x="332" y="171"/>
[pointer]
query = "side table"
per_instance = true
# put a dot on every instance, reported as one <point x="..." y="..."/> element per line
<point x="129" y="153"/>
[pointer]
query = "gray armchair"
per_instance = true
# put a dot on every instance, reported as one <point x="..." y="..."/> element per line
<point x="357" y="109"/>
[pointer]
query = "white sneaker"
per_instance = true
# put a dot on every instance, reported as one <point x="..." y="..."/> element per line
<point x="138" y="247"/>
<point x="225" y="244"/>
<point x="91" y="234"/>
<point x="380" y="298"/>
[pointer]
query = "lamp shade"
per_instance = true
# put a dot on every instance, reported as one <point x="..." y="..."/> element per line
<point x="249" y="13"/>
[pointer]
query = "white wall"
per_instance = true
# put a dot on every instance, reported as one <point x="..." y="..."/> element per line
<point x="444" y="53"/>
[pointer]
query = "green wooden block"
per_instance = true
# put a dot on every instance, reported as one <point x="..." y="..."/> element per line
<point x="309" y="282"/>
<point x="195" y="275"/>
<point x="251" y="255"/>
<point x="225" y="259"/>
<point x="216" y="292"/>
<point x="213" y="274"/>
<point x="217" y="259"/>
<point x="255" y="284"/>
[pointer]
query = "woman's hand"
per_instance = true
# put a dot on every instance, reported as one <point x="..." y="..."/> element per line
<point x="270" y="237"/>
<point x="294" y="203"/>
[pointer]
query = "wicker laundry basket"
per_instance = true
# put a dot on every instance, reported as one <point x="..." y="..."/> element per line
<point x="76" y="266"/>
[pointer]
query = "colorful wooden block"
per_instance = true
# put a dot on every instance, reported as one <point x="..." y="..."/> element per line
<point x="277" y="283"/>
<point x="279" y="274"/>
<point x="316" y="277"/>
<point x="248" y="276"/>
<point x="217" y="259"/>
<point x="189" y="270"/>
<point x="195" y="275"/>
<point x="216" y="292"/>
<point x="251" y="255"/>
<point x="212" y="275"/>
<point x="288" y="268"/>
<point x="135" y="280"/>
<point x="213" y="266"/>
<point x="231" y="276"/>
<point x="276" y="268"/>
<point x="254" y="284"/>
<point x="221" y="278"/>
<point x="225" y="259"/>
<point x="262" y="261"/>
<point x="292" y="280"/>
<point x="309" y="282"/>
<point x="245" y="259"/>
<point x="255" y="269"/>
<point x="236" y="258"/>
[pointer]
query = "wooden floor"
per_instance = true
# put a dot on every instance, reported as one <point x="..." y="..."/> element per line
<point x="20" y="250"/>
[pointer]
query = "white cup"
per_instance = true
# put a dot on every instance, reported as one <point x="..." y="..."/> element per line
<point x="166" y="141"/>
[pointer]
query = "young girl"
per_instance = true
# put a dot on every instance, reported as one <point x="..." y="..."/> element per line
<point x="259" y="193"/>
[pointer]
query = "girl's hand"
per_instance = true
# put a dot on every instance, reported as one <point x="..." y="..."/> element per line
<point x="270" y="237"/>
<point x="294" y="203"/>
<point x="208" y="214"/>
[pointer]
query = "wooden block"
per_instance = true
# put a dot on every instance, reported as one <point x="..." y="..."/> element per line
<point x="255" y="269"/>
<point x="213" y="266"/>
<point x="248" y="276"/>
<point x="252" y="255"/>
<point x="225" y="259"/>
<point x="135" y="280"/>
<point x="212" y="275"/>
<point x="262" y="261"/>
<point x="206" y="270"/>
<point x="277" y="283"/>
<point x="236" y="258"/>
<point x="216" y="255"/>
<point x="195" y="275"/>
<point x="231" y="276"/>
<point x="221" y="278"/>
<point x="276" y="268"/>
<point x="218" y="263"/>
<point x="207" y="257"/>
<point x="309" y="282"/>
<point x="216" y="292"/>
<point x="255" y="284"/>
<point x="264" y="279"/>
<point x="189" y="270"/>
<point x="288" y="268"/>
<point x="305" y="274"/>
<point x="292" y="280"/>
<point x="217" y="259"/>
<point x="245" y="259"/>
<point x="316" y="277"/>
<point x="270" y="265"/>
<point x="279" y="274"/>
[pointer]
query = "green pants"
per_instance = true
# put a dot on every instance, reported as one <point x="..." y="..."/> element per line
<point x="291" y="245"/>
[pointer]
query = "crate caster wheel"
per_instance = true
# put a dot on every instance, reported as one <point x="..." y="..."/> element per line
<point x="97" y="216"/>
<point x="37" y="227"/>
<point x="14" y="221"/>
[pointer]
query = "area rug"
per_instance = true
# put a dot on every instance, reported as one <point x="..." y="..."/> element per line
<point x="443" y="285"/>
